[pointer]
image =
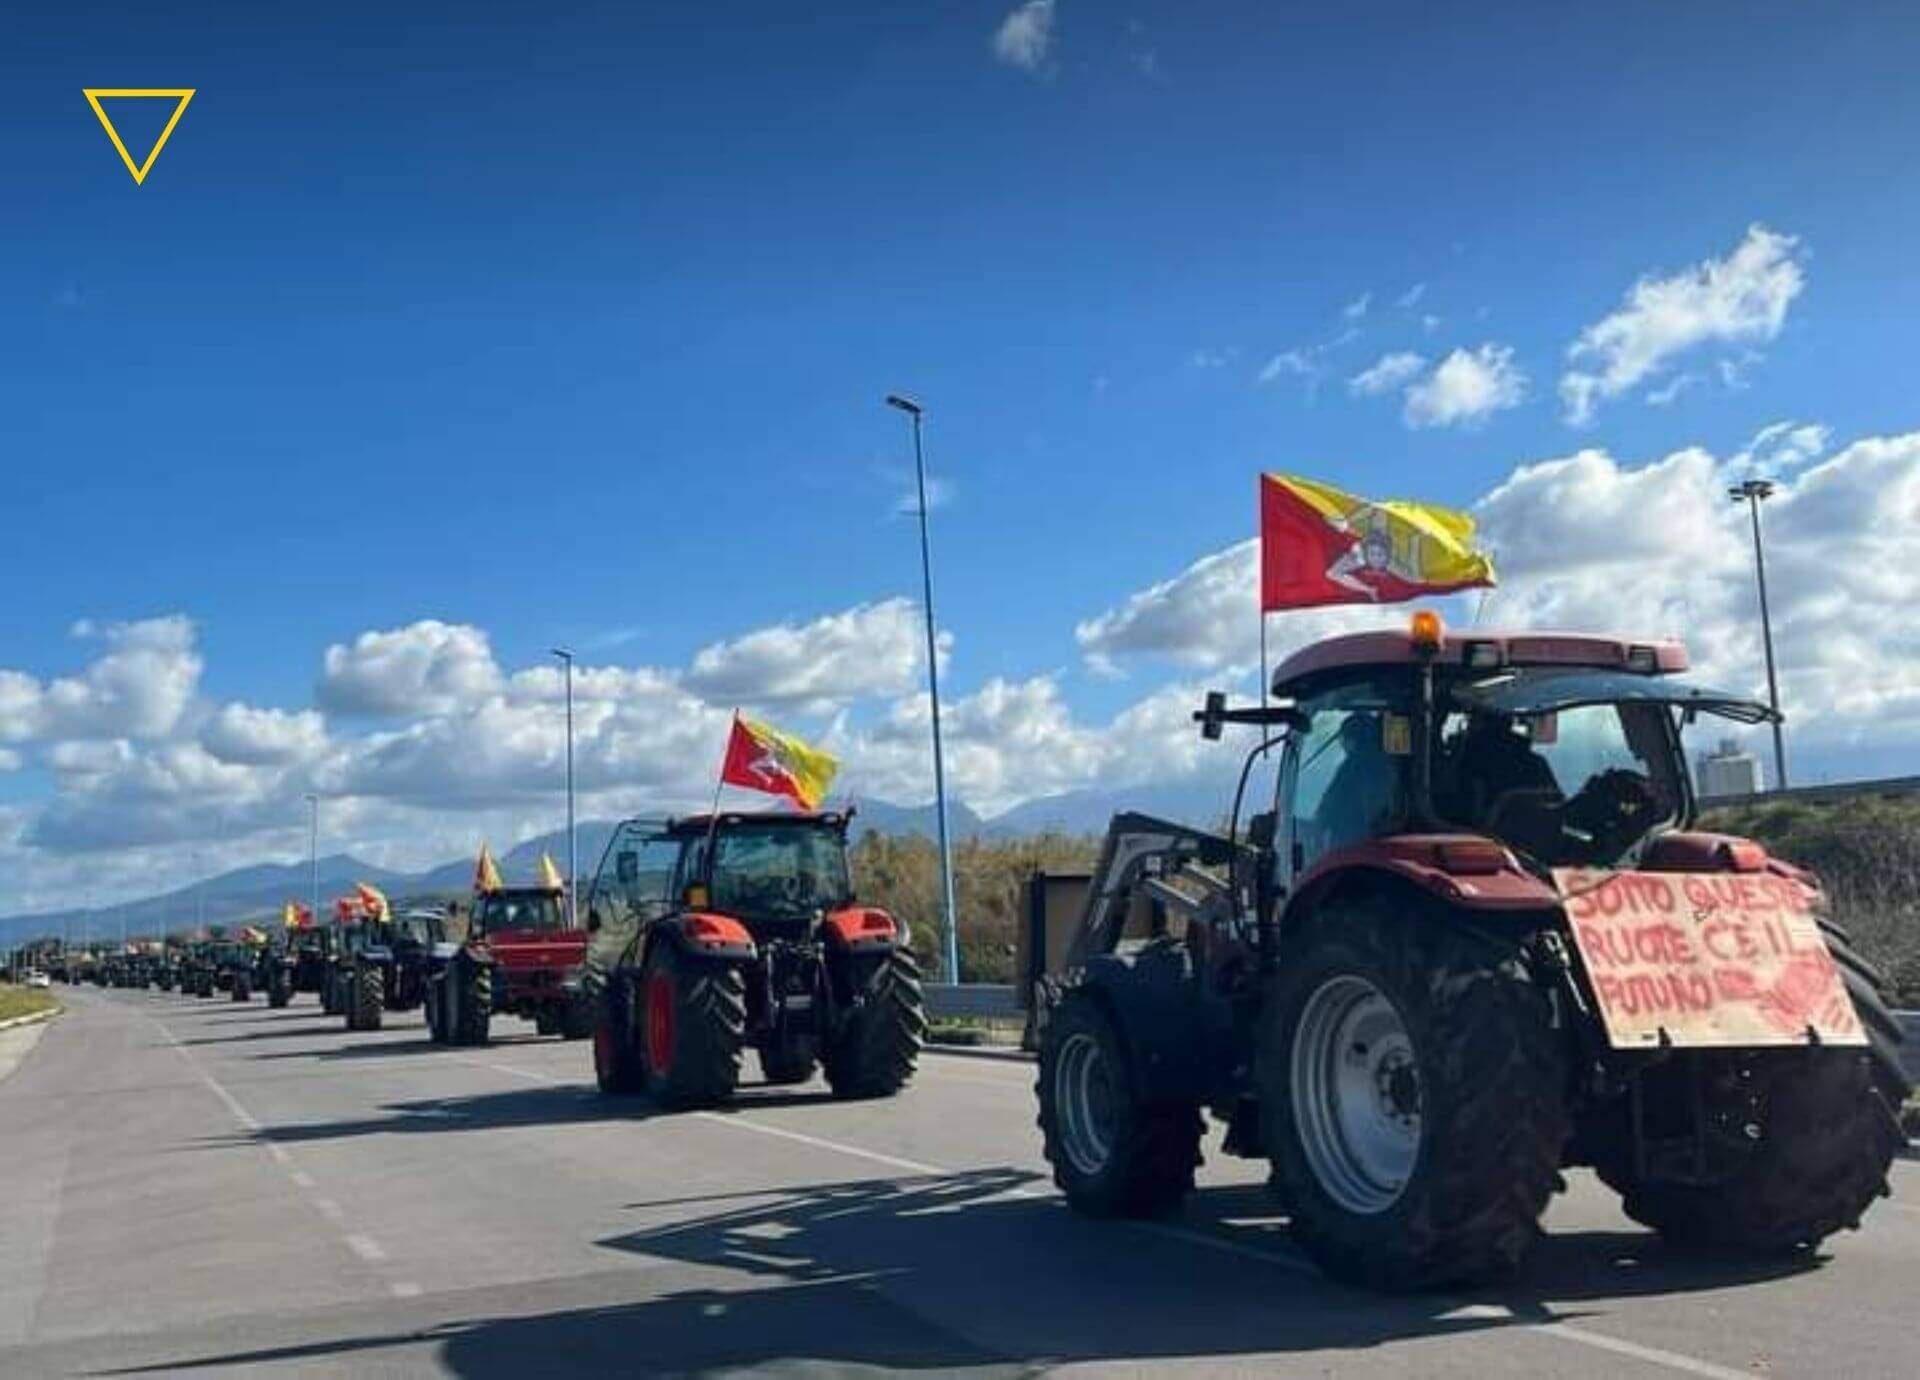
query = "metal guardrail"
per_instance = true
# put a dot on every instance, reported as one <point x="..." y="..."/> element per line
<point x="978" y="1001"/>
<point x="1835" y="790"/>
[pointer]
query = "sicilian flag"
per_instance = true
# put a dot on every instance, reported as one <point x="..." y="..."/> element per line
<point x="373" y="902"/>
<point x="249" y="934"/>
<point x="549" y="876"/>
<point x="762" y="758"/>
<point x="486" y="876"/>
<point x="295" y="916"/>
<point x="1321" y="546"/>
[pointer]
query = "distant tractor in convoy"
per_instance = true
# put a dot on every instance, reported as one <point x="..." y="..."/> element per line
<point x="715" y="935"/>
<point x="380" y="963"/>
<point x="1476" y="940"/>
<point x="520" y="956"/>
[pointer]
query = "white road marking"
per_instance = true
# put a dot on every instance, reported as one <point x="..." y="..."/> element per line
<point x="406" y="1289"/>
<point x="301" y="1179"/>
<point x="1653" y="1355"/>
<point x="366" y="1248"/>
<point x="839" y="1147"/>
<point x="329" y="1209"/>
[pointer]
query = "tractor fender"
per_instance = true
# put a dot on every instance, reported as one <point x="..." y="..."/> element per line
<point x="1148" y="993"/>
<point x="701" y="934"/>
<point x="1466" y="871"/>
<point x="860" y="930"/>
<point x="375" y="953"/>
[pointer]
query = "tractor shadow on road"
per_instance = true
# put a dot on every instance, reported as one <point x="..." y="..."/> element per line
<point x="555" y="1104"/>
<point x="996" y="1254"/>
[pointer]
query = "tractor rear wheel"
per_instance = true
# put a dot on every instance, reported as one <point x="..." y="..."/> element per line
<point x="242" y="989"/>
<point x="436" y="1025"/>
<point x="617" y="1065"/>
<point x="1813" y="1132"/>
<point x="470" y="1014"/>
<point x="693" y="1024"/>
<point x="279" y="987"/>
<point x="368" y="999"/>
<point x="787" y="1062"/>
<point x="1412" y="1094"/>
<point x="874" y="1052"/>
<point x="1111" y="1156"/>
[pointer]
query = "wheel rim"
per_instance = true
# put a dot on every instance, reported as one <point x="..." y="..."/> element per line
<point x="660" y="1022"/>
<point x="1083" y="1093"/>
<point x="1356" y="1094"/>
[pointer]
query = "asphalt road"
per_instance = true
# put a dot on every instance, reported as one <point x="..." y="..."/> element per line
<point x="189" y="1185"/>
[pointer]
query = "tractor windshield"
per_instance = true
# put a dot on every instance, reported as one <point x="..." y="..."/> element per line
<point x="779" y="871"/>
<point x="504" y="911"/>
<point x="1580" y="785"/>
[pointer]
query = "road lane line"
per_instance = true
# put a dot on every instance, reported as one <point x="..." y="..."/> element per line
<point x="302" y="1179"/>
<point x="329" y="1209"/>
<point x="406" y="1289"/>
<point x="854" y="1151"/>
<point x="366" y="1248"/>
<point x="1652" y="1355"/>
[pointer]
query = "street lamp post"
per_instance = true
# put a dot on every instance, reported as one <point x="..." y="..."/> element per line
<point x="313" y="855"/>
<point x="573" y="842"/>
<point x="914" y="410"/>
<point x="1753" y="493"/>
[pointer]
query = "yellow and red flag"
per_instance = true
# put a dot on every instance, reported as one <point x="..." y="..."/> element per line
<point x="486" y="877"/>
<point x="295" y="916"/>
<point x="250" y="934"/>
<point x="550" y="879"/>
<point x="1319" y="545"/>
<point x="373" y="902"/>
<point x="762" y="758"/>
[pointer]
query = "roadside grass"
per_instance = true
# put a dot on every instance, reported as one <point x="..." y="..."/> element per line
<point x="24" y="1001"/>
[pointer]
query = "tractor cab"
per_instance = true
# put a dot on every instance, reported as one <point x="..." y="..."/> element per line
<point x="518" y="913"/>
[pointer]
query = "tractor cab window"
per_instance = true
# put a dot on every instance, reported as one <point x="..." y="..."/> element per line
<point x="1348" y="775"/>
<point x="635" y="885"/>
<point x="1574" y="786"/>
<point x="504" y="911"/>
<point x="779" y="871"/>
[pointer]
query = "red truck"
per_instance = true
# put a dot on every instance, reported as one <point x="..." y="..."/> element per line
<point x="521" y="956"/>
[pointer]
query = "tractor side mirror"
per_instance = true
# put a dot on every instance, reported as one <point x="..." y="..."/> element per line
<point x="1260" y="830"/>
<point x="1213" y="716"/>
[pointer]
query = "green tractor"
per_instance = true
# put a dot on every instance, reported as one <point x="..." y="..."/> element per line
<point x="380" y="964"/>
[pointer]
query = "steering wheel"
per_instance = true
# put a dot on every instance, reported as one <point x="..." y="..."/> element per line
<point x="1614" y="808"/>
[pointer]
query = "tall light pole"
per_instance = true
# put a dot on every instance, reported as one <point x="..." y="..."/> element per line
<point x="573" y="842"/>
<point x="1753" y="493"/>
<point x="914" y="410"/>
<point x="313" y="855"/>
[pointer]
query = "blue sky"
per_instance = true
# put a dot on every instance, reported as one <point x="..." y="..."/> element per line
<point x="571" y="322"/>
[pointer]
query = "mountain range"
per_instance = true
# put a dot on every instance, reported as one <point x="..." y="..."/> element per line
<point x="260" y="889"/>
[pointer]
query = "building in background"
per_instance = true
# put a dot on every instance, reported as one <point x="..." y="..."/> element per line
<point x="1728" y="770"/>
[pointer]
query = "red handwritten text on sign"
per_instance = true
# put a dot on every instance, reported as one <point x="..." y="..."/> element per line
<point x="1711" y="959"/>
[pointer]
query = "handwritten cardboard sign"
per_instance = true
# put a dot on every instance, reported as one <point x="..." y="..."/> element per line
<point x="1710" y="959"/>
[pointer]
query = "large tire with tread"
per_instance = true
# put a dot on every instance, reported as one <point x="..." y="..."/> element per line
<point x="368" y="998"/>
<point x="874" y="1052"/>
<point x="693" y="1026"/>
<point x="1829" y="1129"/>
<point x="577" y="1016"/>
<point x="434" y="1006"/>
<point x="618" y="1067"/>
<point x="1412" y="1096"/>
<point x="783" y="1065"/>
<point x="1112" y="1156"/>
<point x="279" y="987"/>
<point x="471" y="989"/>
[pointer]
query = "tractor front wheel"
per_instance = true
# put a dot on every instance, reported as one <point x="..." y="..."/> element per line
<point x="1111" y="1156"/>
<point x="693" y="1023"/>
<point x="368" y="999"/>
<point x="787" y="1062"/>
<point x="874" y="1052"/>
<point x="470" y="1009"/>
<point x="279" y="987"/>
<point x="617" y="1065"/>
<point x="242" y="988"/>
<point x="1412" y="1089"/>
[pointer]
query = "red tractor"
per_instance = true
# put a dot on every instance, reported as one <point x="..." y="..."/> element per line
<point x="1476" y="939"/>
<point x="717" y="934"/>
<point x="521" y="956"/>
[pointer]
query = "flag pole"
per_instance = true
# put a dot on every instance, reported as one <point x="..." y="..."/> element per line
<point x="1263" y="658"/>
<point x="719" y="781"/>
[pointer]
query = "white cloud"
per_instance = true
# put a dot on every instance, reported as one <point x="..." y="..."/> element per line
<point x="1387" y="373"/>
<point x="1466" y="388"/>
<point x="1410" y="299"/>
<point x="10" y="760"/>
<point x="1297" y="362"/>
<point x="1025" y="36"/>
<point x="426" y="667"/>
<point x="873" y="649"/>
<point x="1212" y="359"/>
<point x="1664" y="395"/>
<point x="1785" y="445"/>
<point x="137" y="688"/>
<point x="1357" y="308"/>
<point x="1739" y="300"/>
<point x="248" y="736"/>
